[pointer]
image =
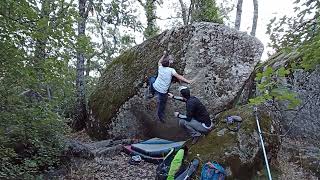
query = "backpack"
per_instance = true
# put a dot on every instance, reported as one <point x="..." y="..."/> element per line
<point x="212" y="171"/>
<point x="163" y="169"/>
<point x="174" y="166"/>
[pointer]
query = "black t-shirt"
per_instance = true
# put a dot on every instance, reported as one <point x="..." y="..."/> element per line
<point x="196" y="110"/>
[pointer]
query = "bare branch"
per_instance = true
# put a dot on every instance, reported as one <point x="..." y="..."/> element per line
<point x="238" y="15"/>
<point x="177" y="17"/>
<point x="89" y="8"/>
<point x="189" y="19"/>
<point x="184" y="12"/>
<point x="141" y="3"/>
<point x="255" y="18"/>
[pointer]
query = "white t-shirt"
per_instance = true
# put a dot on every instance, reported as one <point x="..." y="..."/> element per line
<point x="163" y="80"/>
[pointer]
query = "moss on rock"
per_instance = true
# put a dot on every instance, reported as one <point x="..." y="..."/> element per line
<point x="126" y="74"/>
<point x="239" y="152"/>
<point x="205" y="51"/>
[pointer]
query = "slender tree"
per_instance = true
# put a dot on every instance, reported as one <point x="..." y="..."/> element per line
<point x="184" y="13"/>
<point x="255" y="18"/>
<point x="150" y="11"/>
<point x="238" y="15"/>
<point x="81" y="115"/>
<point x="40" y="47"/>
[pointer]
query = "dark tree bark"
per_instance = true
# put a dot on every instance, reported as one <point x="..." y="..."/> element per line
<point x="255" y="18"/>
<point x="184" y="13"/>
<point x="238" y="15"/>
<point x="81" y="115"/>
<point x="190" y="11"/>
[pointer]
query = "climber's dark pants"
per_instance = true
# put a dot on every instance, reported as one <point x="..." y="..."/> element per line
<point x="194" y="127"/>
<point x="152" y="79"/>
<point x="161" y="99"/>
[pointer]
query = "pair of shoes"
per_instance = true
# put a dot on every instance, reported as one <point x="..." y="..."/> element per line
<point x="195" y="139"/>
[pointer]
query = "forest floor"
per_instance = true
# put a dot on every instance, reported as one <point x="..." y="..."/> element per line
<point x="118" y="167"/>
<point x="115" y="167"/>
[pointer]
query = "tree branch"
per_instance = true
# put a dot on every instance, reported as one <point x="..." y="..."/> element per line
<point x="168" y="18"/>
<point x="90" y="5"/>
<point x="142" y="4"/>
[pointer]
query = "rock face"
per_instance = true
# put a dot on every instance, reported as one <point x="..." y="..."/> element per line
<point x="304" y="120"/>
<point x="240" y="152"/>
<point x="221" y="60"/>
<point x="299" y="126"/>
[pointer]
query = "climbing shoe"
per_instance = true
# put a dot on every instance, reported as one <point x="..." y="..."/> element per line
<point x="148" y="94"/>
<point x="195" y="139"/>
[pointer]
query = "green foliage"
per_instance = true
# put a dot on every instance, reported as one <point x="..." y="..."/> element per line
<point x="150" y="10"/>
<point x="271" y="88"/>
<point x="114" y="23"/>
<point x="311" y="53"/>
<point x="301" y="32"/>
<point x="37" y="74"/>
<point x="207" y="11"/>
<point x="36" y="84"/>
<point x="31" y="139"/>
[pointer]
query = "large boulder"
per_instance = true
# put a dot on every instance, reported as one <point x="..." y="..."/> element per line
<point x="303" y="120"/>
<point x="240" y="153"/>
<point x="220" y="58"/>
<point x="300" y="125"/>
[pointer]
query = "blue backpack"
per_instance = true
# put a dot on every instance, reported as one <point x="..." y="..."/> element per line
<point x="212" y="171"/>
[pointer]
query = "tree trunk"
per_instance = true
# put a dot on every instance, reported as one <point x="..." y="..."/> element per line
<point x="255" y="18"/>
<point x="190" y="11"/>
<point x="238" y="15"/>
<point x="195" y="7"/>
<point x="150" y="11"/>
<point x="80" y="116"/>
<point x="88" y="68"/>
<point x="184" y="13"/>
<point x="40" y="52"/>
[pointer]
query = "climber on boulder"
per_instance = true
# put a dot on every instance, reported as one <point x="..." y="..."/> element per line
<point x="197" y="120"/>
<point x="161" y="84"/>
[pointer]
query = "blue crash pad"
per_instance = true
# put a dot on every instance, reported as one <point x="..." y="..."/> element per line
<point x="156" y="147"/>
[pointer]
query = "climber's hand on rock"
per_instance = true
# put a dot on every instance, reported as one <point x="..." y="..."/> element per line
<point x="176" y="114"/>
<point x="165" y="52"/>
<point x="170" y="95"/>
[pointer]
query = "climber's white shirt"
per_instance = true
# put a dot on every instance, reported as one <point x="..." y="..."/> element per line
<point x="163" y="80"/>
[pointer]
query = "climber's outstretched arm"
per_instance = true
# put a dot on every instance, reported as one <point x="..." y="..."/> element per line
<point x="181" y="78"/>
<point x="176" y="97"/>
